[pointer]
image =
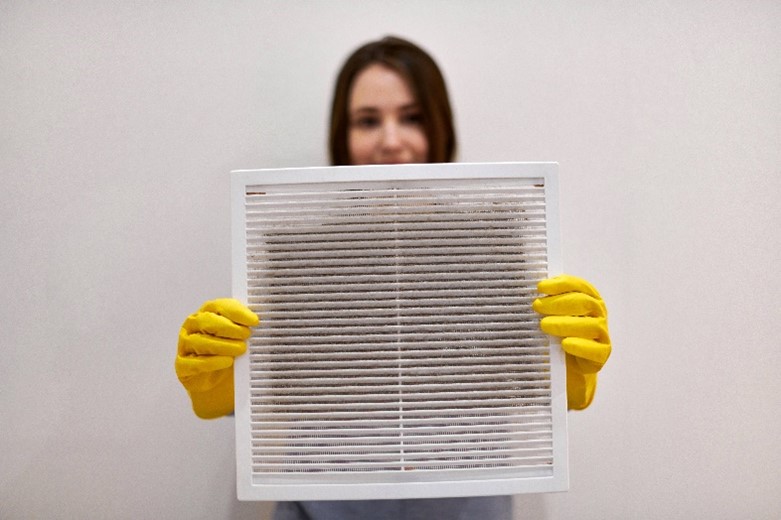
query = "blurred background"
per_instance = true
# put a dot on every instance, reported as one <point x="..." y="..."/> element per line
<point x="120" y="123"/>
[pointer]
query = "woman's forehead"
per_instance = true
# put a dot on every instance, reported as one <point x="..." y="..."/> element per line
<point x="378" y="86"/>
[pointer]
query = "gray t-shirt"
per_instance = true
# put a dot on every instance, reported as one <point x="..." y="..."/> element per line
<point x="465" y="508"/>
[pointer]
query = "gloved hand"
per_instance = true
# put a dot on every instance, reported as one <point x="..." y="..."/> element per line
<point x="575" y="311"/>
<point x="208" y="342"/>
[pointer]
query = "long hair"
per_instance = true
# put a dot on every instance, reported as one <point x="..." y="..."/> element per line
<point x="427" y="84"/>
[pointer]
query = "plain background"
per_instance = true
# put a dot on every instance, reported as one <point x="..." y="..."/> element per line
<point x="119" y="123"/>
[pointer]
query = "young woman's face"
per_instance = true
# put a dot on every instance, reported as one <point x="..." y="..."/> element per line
<point x="385" y="120"/>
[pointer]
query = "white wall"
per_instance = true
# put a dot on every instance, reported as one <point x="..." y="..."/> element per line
<point x="119" y="126"/>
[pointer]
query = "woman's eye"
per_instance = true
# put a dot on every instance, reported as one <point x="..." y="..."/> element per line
<point x="413" y="118"/>
<point x="366" y="122"/>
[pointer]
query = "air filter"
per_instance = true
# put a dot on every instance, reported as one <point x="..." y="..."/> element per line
<point x="397" y="355"/>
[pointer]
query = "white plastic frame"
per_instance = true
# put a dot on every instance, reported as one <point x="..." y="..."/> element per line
<point x="405" y="487"/>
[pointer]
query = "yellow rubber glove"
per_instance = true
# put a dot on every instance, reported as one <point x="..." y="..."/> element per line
<point x="575" y="311"/>
<point x="208" y="342"/>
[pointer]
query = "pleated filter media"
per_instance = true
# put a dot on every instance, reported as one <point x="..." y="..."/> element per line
<point x="397" y="355"/>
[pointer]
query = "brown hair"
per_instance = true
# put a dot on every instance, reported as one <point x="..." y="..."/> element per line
<point x="426" y="82"/>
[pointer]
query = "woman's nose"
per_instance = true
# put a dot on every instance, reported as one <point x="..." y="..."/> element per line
<point x="391" y="138"/>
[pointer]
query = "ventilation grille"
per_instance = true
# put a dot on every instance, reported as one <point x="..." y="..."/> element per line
<point x="397" y="337"/>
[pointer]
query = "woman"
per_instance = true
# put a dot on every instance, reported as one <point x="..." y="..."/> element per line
<point x="390" y="106"/>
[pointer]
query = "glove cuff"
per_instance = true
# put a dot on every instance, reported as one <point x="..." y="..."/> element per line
<point x="216" y="402"/>
<point x="581" y="387"/>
